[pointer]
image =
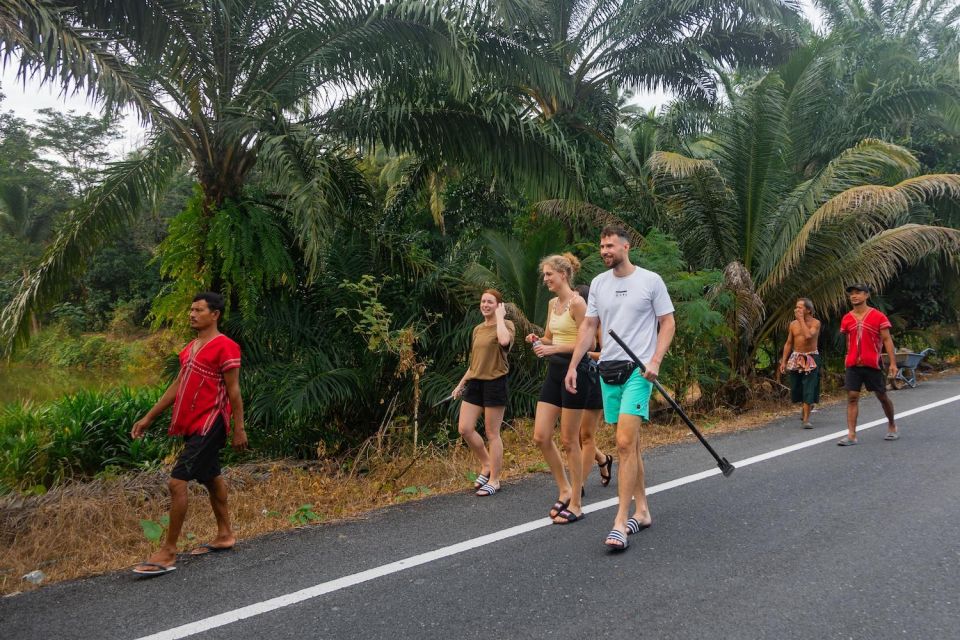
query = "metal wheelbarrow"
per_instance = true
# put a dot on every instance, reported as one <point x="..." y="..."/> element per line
<point x="907" y="363"/>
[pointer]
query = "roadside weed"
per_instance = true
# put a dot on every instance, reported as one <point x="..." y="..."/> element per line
<point x="304" y="515"/>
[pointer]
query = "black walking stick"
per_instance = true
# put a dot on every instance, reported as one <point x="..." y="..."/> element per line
<point x="440" y="402"/>
<point x="725" y="467"/>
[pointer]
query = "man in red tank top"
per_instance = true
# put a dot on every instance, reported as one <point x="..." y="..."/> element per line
<point x="867" y="331"/>
<point x="204" y="396"/>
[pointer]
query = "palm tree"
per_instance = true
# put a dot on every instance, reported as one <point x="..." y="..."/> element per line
<point x="885" y="69"/>
<point x="16" y="218"/>
<point x="601" y="45"/>
<point x="233" y="87"/>
<point x="780" y="235"/>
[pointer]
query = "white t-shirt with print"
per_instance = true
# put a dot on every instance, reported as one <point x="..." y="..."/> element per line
<point x="630" y="306"/>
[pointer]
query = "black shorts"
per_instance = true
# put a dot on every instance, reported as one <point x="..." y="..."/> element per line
<point x="554" y="391"/>
<point x="873" y="379"/>
<point x="200" y="458"/>
<point x="486" y="393"/>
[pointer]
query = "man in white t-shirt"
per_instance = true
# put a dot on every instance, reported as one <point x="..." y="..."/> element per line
<point x="632" y="302"/>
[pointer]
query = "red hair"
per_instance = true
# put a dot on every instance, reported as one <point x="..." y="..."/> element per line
<point x="494" y="293"/>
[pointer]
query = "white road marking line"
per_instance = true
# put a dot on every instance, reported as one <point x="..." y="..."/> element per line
<point x="279" y="602"/>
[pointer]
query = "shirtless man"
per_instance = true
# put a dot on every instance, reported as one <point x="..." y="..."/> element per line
<point x="802" y="360"/>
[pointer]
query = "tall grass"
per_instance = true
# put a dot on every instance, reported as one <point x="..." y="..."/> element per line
<point x="77" y="436"/>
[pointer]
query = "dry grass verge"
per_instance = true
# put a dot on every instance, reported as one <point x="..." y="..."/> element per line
<point x="85" y="529"/>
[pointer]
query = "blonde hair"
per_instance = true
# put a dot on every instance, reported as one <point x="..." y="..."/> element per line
<point x="567" y="264"/>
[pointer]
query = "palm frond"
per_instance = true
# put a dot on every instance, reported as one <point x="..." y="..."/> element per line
<point x="50" y="46"/>
<point x="104" y="212"/>
<point x="856" y="214"/>
<point x="700" y="208"/>
<point x="870" y="162"/>
<point x="875" y="262"/>
<point x="512" y="267"/>
<point x="317" y="185"/>
<point x="749" y="152"/>
<point x="488" y="136"/>
<point x="585" y="213"/>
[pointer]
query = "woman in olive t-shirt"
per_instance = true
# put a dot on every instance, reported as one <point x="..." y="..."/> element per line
<point x="484" y="390"/>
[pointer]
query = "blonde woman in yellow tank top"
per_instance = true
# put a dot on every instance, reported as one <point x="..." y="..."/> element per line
<point x="564" y="314"/>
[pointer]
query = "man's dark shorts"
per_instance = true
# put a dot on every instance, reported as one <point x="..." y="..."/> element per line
<point x="873" y="379"/>
<point x="805" y="387"/>
<point x="554" y="391"/>
<point x="200" y="458"/>
<point x="486" y="393"/>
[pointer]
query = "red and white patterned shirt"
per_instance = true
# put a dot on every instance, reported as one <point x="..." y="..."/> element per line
<point x="202" y="393"/>
<point x="864" y="343"/>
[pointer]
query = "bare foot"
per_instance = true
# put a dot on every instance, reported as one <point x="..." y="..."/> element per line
<point x="562" y="503"/>
<point x="643" y="519"/>
<point x="163" y="557"/>
<point x="224" y="543"/>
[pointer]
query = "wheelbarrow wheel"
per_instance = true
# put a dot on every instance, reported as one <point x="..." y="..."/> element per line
<point x="912" y="380"/>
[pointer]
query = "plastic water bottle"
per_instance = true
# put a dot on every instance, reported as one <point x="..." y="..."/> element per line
<point x="35" y="577"/>
<point x="537" y="343"/>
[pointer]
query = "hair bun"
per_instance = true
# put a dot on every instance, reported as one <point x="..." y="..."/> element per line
<point x="574" y="261"/>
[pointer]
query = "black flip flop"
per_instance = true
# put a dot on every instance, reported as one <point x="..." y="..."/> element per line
<point x="162" y="569"/>
<point x="209" y="549"/>
<point x="569" y="517"/>
<point x="559" y="506"/>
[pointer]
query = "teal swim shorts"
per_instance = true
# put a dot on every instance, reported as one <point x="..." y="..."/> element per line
<point x="630" y="398"/>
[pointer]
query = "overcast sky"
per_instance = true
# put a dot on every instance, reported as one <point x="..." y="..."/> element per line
<point x="24" y="101"/>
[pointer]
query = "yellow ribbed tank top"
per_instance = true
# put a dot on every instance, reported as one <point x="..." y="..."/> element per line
<point x="563" y="327"/>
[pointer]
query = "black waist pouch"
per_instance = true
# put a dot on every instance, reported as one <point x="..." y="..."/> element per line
<point x="616" y="371"/>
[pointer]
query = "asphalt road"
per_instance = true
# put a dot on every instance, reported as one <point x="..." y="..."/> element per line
<point x="820" y="542"/>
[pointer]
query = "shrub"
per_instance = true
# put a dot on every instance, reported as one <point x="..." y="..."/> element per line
<point x="76" y="437"/>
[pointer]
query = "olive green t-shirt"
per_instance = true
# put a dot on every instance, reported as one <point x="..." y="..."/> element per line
<point x="488" y="360"/>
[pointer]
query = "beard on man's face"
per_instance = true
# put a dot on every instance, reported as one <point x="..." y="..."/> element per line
<point x="612" y="261"/>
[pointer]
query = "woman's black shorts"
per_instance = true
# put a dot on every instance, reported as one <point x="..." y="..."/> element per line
<point x="200" y="458"/>
<point x="873" y="379"/>
<point x="555" y="392"/>
<point x="486" y="393"/>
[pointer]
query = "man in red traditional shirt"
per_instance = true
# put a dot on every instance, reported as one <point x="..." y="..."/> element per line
<point x="204" y="395"/>
<point x="866" y="329"/>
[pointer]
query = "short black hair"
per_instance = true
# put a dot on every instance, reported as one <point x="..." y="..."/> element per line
<point x="214" y="300"/>
<point x="615" y="230"/>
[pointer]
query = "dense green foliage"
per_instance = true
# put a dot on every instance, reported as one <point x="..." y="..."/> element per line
<point x="78" y="436"/>
<point x="352" y="173"/>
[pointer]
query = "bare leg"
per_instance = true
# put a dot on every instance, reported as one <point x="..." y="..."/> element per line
<point x="588" y="441"/>
<point x="167" y="553"/>
<point x="570" y="420"/>
<point x="218" y="501"/>
<point x="630" y="476"/>
<point x="887" y="405"/>
<point x="467" y="426"/>
<point x="805" y="413"/>
<point x="641" y="508"/>
<point x="853" y="410"/>
<point x="543" y="425"/>
<point x="493" y="418"/>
